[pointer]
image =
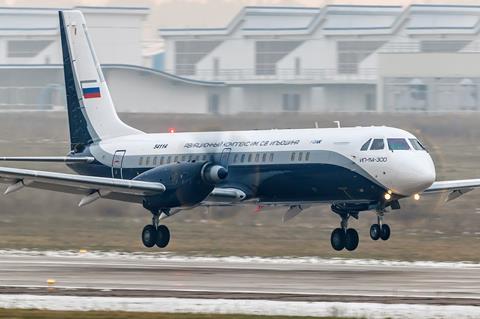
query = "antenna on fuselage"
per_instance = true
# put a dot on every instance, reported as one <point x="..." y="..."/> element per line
<point x="338" y="124"/>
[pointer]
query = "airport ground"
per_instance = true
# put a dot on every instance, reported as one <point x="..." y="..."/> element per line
<point x="424" y="230"/>
<point x="41" y="314"/>
<point x="427" y="230"/>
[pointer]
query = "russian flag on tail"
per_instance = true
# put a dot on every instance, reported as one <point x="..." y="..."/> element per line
<point x="90" y="89"/>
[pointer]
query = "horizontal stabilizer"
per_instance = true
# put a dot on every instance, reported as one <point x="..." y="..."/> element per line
<point x="50" y="159"/>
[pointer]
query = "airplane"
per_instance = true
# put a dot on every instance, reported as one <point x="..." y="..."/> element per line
<point x="354" y="170"/>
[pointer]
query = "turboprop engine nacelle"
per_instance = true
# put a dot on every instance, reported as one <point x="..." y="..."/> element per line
<point x="187" y="184"/>
<point x="214" y="174"/>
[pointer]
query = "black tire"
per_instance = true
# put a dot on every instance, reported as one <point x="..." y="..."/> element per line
<point x="338" y="239"/>
<point x="163" y="236"/>
<point x="385" y="234"/>
<point x="375" y="232"/>
<point x="149" y="236"/>
<point x="351" y="239"/>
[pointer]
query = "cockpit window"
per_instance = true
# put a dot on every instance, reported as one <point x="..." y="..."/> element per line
<point x="417" y="145"/>
<point x="366" y="145"/>
<point x="398" y="144"/>
<point x="378" y="144"/>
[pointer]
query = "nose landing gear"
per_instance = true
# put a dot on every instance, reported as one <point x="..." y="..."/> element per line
<point x="155" y="234"/>
<point x="380" y="230"/>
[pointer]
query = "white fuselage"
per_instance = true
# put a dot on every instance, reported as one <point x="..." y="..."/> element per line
<point x="403" y="172"/>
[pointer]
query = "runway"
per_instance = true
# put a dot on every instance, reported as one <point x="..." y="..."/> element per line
<point x="310" y="279"/>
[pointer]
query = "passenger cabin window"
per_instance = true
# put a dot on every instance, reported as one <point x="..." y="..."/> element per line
<point x="293" y="157"/>
<point x="300" y="156"/>
<point x="377" y="144"/>
<point x="242" y="159"/>
<point x="140" y="161"/>
<point x="271" y="157"/>
<point x="264" y="157"/>
<point x="397" y="144"/>
<point x="257" y="157"/>
<point x="161" y="160"/>
<point x="147" y="162"/>
<point x="307" y="156"/>
<point x="155" y="161"/>
<point x="366" y="145"/>
<point x="417" y="145"/>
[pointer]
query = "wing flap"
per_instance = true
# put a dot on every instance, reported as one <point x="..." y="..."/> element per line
<point x="118" y="189"/>
<point x="455" y="188"/>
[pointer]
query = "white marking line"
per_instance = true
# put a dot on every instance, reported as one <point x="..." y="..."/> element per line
<point x="251" y="307"/>
<point x="249" y="292"/>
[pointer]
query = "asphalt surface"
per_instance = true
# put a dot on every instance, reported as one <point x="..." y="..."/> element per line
<point x="131" y="276"/>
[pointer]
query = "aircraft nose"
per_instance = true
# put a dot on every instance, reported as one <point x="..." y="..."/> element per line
<point x="415" y="175"/>
<point x="423" y="175"/>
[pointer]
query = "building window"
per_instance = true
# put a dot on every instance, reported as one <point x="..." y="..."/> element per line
<point x="442" y="46"/>
<point x="352" y="53"/>
<point x="189" y="53"/>
<point x="298" y="66"/>
<point x="291" y="102"/>
<point x="26" y="48"/>
<point x="216" y="67"/>
<point x="268" y="53"/>
<point x="214" y="103"/>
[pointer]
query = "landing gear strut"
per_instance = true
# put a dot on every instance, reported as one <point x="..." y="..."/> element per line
<point x="155" y="234"/>
<point x="380" y="230"/>
<point x="344" y="237"/>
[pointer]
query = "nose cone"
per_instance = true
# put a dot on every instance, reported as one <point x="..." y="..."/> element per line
<point x="418" y="175"/>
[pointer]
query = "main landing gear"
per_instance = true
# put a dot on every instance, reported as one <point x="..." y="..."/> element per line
<point x="155" y="234"/>
<point x="344" y="237"/>
<point x="380" y="230"/>
<point x="347" y="238"/>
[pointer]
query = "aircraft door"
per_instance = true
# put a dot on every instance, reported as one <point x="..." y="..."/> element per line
<point x="117" y="164"/>
<point x="225" y="157"/>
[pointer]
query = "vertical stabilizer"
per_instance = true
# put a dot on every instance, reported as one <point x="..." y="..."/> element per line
<point x="91" y="113"/>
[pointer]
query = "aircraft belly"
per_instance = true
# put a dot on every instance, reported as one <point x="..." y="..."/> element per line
<point x="306" y="182"/>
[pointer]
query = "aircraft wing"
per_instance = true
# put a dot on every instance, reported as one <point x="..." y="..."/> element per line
<point x="454" y="188"/>
<point x="90" y="186"/>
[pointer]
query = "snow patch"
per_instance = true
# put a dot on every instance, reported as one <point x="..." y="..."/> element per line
<point x="165" y="256"/>
<point x="249" y="307"/>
